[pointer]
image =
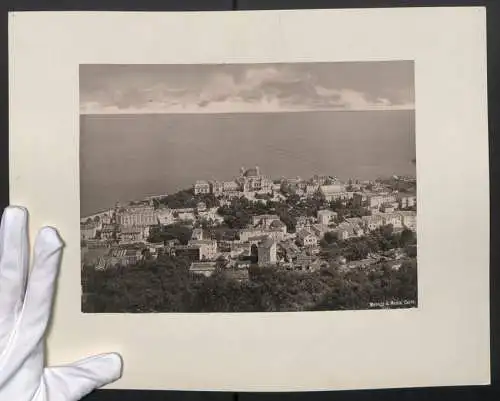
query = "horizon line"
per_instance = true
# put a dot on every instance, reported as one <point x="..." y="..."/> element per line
<point x="149" y="113"/>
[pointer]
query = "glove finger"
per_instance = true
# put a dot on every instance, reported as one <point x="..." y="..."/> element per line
<point x="13" y="267"/>
<point x="40" y="290"/>
<point x="74" y="381"/>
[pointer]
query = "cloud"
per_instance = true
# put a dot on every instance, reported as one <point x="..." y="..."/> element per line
<point x="251" y="89"/>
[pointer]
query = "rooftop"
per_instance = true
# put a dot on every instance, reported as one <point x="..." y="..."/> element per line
<point x="277" y="224"/>
<point x="202" y="242"/>
<point x="327" y="212"/>
<point x="333" y="188"/>
<point x="203" y="264"/>
<point x="258" y="238"/>
<point x="251" y="172"/>
<point x="267" y="243"/>
<point x="304" y="233"/>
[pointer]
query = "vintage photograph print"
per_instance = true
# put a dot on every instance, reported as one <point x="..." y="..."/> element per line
<point x="248" y="187"/>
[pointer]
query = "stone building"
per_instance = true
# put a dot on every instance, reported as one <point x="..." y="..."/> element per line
<point x="406" y="200"/>
<point x="326" y="216"/>
<point x="267" y="252"/>
<point x="190" y="252"/>
<point x="201" y="187"/>
<point x="332" y="192"/>
<point x="141" y="215"/>
<point x="208" y="248"/>
<point x="88" y="230"/>
<point x="252" y="180"/>
<point x="216" y="187"/>
<point x="203" y="268"/>
<point x="306" y="238"/>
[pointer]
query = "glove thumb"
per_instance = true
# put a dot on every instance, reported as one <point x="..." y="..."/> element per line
<point x="72" y="382"/>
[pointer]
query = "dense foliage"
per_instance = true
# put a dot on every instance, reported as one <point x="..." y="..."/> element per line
<point x="400" y="185"/>
<point x="348" y="209"/>
<point x="165" y="285"/>
<point x="186" y="199"/>
<point x="381" y="240"/>
<point x="162" y="234"/>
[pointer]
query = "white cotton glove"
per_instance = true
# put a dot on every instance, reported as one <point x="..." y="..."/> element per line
<point x="25" y="308"/>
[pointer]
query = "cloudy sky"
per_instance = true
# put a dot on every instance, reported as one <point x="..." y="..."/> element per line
<point x="246" y="88"/>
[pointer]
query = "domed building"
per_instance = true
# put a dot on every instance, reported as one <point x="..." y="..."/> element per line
<point x="251" y="180"/>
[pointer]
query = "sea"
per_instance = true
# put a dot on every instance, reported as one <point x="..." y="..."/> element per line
<point x="129" y="157"/>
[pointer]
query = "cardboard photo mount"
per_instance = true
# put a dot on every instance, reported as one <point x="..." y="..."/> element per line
<point x="444" y="342"/>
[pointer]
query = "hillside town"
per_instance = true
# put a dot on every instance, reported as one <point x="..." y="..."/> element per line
<point x="294" y="224"/>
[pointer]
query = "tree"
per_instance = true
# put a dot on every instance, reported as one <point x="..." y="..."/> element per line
<point x="146" y="254"/>
<point x="387" y="231"/>
<point x="411" y="251"/>
<point x="408" y="237"/>
<point x="166" y="284"/>
<point x="170" y="232"/>
<point x="293" y="199"/>
<point x="330" y="237"/>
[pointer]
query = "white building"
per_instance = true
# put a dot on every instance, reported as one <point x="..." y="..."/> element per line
<point x="348" y="230"/>
<point x="406" y="200"/>
<point x="332" y="191"/>
<point x="398" y="219"/>
<point x="164" y="216"/>
<point x="88" y="230"/>
<point x="197" y="234"/>
<point x="201" y="187"/>
<point x="375" y="201"/>
<point x="251" y="180"/>
<point x="326" y="216"/>
<point x="143" y="215"/>
<point x="216" y="187"/>
<point x="373" y="222"/>
<point x="394" y="219"/>
<point x="230" y="186"/>
<point x="246" y="233"/>
<point x="131" y="234"/>
<point x="186" y="216"/>
<point x="306" y="238"/>
<point x="409" y="220"/>
<point x="208" y="248"/>
<point x="203" y="268"/>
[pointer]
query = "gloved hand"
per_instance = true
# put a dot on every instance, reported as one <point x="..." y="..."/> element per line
<point x="25" y="308"/>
